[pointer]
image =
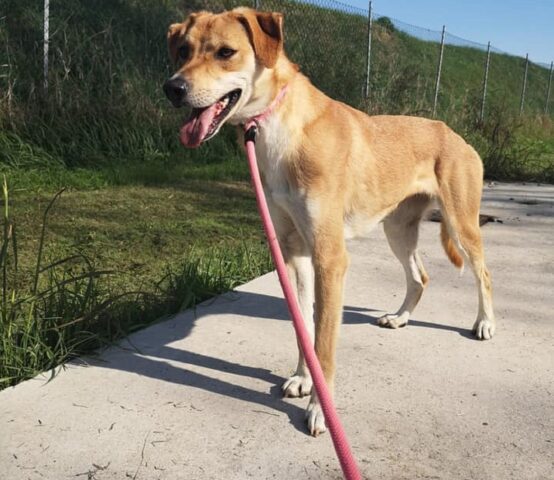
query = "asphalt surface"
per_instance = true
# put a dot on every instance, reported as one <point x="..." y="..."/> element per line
<point x="197" y="396"/>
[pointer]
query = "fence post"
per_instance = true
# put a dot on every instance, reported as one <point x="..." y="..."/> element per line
<point x="257" y="4"/>
<point x="485" y="80"/>
<point x="46" y="41"/>
<point x="368" y="63"/>
<point x="439" y="68"/>
<point x="548" y="89"/>
<point x="524" y="86"/>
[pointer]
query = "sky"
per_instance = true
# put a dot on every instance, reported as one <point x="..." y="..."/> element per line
<point x="517" y="27"/>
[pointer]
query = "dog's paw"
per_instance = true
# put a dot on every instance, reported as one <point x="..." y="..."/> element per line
<point x="484" y="329"/>
<point x="297" y="386"/>
<point x="393" y="321"/>
<point x="315" y="418"/>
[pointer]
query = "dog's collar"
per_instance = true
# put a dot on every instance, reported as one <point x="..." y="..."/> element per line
<point x="255" y="121"/>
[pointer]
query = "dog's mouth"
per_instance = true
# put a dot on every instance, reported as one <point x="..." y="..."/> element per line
<point x="205" y="122"/>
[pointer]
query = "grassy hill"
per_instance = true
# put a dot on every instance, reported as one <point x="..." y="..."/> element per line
<point x="108" y="61"/>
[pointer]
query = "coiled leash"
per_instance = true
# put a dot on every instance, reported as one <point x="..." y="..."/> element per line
<point x="340" y="442"/>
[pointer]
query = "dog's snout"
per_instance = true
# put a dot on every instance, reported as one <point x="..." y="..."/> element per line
<point x="176" y="90"/>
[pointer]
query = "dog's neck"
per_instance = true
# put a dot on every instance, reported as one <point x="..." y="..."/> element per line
<point x="283" y="121"/>
<point x="266" y="88"/>
<point x="257" y="120"/>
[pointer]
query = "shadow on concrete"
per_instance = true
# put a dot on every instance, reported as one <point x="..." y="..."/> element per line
<point x="356" y="315"/>
<point x="150" y="355"/>
<point x="151" y="358"/>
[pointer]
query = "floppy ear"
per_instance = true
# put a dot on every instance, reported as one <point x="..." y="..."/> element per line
<point x="173" y="34"/>
<point x="265" y="31"/>
<point x="176" y="30"/>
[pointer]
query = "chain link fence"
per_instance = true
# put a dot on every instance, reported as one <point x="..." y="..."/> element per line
<point x="389" y="66"/>
<point x="385" y="65"/>
<point x="101" y="63"/>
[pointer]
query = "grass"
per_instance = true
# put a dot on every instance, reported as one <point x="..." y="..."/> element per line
<point x="107" y="262"/>
<point x="126" y="226"/>
<point x="144" y="227"/>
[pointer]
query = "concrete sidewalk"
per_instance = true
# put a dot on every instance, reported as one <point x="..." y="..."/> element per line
<point x="195" y="397"/>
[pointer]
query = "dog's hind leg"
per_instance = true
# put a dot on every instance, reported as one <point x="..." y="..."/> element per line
<point x="402" y="229"/>
<point x="462" y="226"/>
<point x="460" y="179"/>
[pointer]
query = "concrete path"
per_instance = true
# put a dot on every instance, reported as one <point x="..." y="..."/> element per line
<point x="195" y="397"/>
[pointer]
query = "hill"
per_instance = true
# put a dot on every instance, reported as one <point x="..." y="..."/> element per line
<point x="108" y="61"/>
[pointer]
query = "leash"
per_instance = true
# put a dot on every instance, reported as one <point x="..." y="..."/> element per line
<point x="340" y="442"/>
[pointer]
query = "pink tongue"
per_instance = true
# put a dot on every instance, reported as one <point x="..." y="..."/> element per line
<point x="197" y="126"/>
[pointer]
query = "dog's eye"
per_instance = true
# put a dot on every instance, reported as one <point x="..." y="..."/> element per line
<point x="183" y="52"/>
<point x="225" y="52"/>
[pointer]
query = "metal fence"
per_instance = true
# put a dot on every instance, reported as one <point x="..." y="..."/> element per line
<point x="385" y="65"/>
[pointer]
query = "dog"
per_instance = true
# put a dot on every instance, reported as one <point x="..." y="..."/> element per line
<point x="330" y="172"/>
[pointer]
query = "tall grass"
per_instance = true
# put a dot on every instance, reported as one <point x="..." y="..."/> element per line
<point x="66" y="307"/>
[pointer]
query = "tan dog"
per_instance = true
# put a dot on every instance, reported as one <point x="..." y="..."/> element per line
<point x="330" y="172"/>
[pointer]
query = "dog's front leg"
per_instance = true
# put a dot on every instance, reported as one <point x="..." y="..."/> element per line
<point x="301" y="274"/>
<point x="300" y="271"/>
<point x="330" y="264"/>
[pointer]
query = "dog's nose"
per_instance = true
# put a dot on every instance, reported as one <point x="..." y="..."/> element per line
<point x="175" y="89"/>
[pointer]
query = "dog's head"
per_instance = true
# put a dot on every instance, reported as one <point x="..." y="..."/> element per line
<point x="219" y="57"/>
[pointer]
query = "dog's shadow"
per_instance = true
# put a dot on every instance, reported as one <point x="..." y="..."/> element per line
<point x="150" y="352"/>
<point x="357" y="315"/>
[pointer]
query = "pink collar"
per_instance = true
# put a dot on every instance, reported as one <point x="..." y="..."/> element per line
<point x="255" y="121"/>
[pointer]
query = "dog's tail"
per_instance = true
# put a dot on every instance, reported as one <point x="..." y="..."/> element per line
<point x="448" y="245"/>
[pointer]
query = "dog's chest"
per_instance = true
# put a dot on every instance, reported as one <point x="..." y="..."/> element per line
<point x="272" y="148"/>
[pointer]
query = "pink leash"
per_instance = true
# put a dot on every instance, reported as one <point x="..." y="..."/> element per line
<point x="342" y="448"/>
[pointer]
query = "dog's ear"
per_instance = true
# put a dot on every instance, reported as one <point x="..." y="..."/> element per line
<point x="173" y="34"/>
<point x="176" y="31"/>
<point x="265" y="30"/>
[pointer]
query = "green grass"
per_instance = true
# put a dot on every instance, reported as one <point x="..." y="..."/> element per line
<point x="103" y="263"/>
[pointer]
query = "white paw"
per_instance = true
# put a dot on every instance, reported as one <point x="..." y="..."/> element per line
<point x="297" y="386"/>
<point x="315" y="418"/>
<point x="484" y="329"/>
<point x="393" y="321"/>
